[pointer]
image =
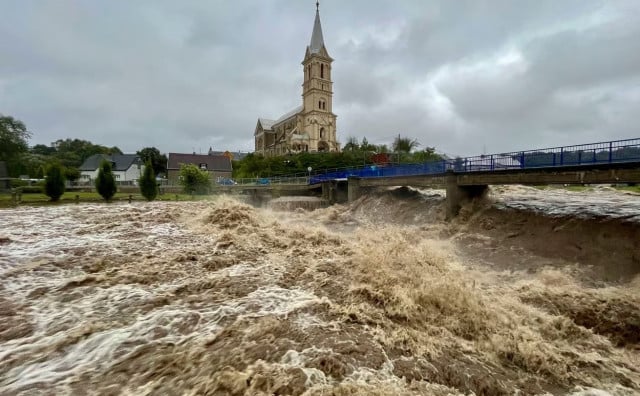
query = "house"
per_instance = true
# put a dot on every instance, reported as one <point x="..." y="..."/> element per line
<point x="310" y="127"/>
<point x="234" y="155"/>
<point x="126" y="168"/>
<point x="218" y="166"/>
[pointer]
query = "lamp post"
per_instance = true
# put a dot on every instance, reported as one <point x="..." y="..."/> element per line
<point x="309" y="169"/>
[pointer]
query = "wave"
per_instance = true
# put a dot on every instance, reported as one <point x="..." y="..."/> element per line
<point x="380" y="297"/>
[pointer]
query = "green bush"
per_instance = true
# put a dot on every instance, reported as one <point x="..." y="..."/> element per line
<point x="194" y="180"/>
<point x="105" y="183"/>
<point x="54" y="183"/>
<point x="18" y="183"/>
<point x="148" y="185"/>
<point x="37" y="189"/>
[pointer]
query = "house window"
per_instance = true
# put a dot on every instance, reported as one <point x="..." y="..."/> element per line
<point x="117" y="177"/>
<point x="203" y="166"/>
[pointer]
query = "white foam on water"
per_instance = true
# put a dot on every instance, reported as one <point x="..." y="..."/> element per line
<point x="596" y="202"/>
<point x="85" y="323"/>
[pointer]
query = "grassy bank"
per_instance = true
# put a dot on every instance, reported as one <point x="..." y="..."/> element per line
<point x="6" y="199"/>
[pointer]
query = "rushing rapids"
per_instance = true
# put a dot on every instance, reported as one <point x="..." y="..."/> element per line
<point x="532" y="293"/>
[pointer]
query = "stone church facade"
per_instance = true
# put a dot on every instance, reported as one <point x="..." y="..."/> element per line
<point x="312" y="126"/>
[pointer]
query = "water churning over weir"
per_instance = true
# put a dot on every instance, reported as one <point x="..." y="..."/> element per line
<point x="380" y="297"/>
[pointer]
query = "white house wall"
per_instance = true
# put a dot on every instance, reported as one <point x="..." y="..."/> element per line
<point x="131" y="174"/>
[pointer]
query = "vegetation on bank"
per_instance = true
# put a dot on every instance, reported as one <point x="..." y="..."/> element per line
<point x="148" y="184"/>
<point x="105" y="183"/>
<point x="55" y="182"/>
<point x="69" y="197"/>
<point x="194" y="180"/>
<point x="354" y="154"/>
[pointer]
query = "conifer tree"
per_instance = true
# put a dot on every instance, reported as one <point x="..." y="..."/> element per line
<point x="105" y="183"/>
<point x="54" y="184"/>
<point x="148" y="185"/>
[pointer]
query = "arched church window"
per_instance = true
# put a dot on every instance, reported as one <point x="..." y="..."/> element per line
<point x="321" y="133"/>
<point x="321" y="70"/>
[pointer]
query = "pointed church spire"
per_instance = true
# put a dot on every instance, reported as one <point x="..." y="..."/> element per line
<point x="317" y="41"/>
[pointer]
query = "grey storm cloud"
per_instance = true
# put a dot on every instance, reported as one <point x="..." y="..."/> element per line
<point x="462" y="76"/>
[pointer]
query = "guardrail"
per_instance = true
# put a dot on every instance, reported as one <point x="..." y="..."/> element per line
<point x="617" y="151"/>
<point x="585" y="154"/>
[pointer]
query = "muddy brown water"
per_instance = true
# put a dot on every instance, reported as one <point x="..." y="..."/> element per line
<point x="527" y="293"/>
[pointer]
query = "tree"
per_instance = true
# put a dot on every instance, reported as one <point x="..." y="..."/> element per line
<point x="41" y="149"/>
<point x="404" y="145"/>
<point x="351" y="145"/>
<point x="158" y="161"/>
<point x="365" y="146"/>
<point x="54" y="184"/>
<point x="73" y="152"/>
<point x="426" y="155"/>
<point x="194" y="180"/>
<point x="105" y="183"/>
<point x="148" y="185"/>
<point x="13" y="141"/>
<point x="72" y="174"/>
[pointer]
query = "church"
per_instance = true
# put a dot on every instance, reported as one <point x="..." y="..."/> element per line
<point x="312" y="126"/>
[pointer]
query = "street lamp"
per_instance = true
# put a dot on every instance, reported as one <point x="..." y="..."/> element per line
<point x="309" y="169"/>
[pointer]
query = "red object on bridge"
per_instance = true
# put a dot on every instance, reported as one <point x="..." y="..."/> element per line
<point x="381" y="159"/>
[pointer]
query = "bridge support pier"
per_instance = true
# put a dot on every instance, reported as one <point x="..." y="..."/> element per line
<point x="458" y="195"/>
<point x="327" y="191"/>
<point x="353" y="188"/>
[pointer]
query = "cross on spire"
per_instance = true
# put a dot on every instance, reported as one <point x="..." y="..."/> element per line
<point x="317" y="5"/>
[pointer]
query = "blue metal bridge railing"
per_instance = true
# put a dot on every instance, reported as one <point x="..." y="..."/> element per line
<point x="617" y="151"/>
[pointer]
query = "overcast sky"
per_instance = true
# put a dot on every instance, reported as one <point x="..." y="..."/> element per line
<point x="464" y="76"/>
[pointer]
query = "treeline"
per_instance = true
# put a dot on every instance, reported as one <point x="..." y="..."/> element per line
<point x="33" y="161"/>
<point x="353" y="154"/>
<point x="70" y="153"/>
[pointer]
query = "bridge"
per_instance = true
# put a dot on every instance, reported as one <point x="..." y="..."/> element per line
<point x="466" y="178"/>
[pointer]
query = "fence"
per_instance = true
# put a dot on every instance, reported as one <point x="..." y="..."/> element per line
<point x="617" y="151"/>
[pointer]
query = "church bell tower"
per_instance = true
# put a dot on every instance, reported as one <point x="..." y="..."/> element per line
<point x="317" y="92"/>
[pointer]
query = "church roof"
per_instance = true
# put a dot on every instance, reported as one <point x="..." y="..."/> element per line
<point x="317" y="41"/>
<point x="266" y="124"/>
<point x="288" y="115"/>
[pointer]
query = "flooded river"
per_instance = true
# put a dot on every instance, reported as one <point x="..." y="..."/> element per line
<point x="530" y="292"/>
